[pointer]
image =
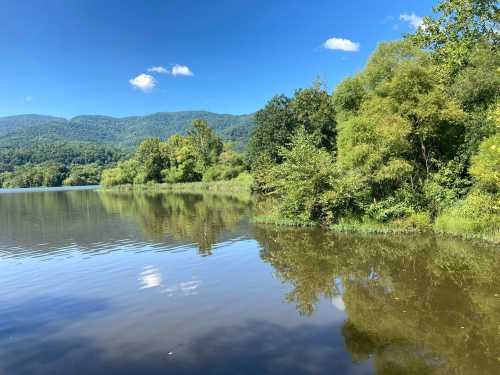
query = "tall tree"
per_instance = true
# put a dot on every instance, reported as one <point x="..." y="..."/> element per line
<point x="206" y="144"/>
<point x="459" y="27"/>
<point x="149" y="156"/>
<point x="274" y="126"/>
<point x="313" y="110"/>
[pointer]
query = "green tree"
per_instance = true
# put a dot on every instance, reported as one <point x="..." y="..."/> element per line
<point x="349" y="95"/>
<point x="485" y="166"/>
<point x="79" y="175"/>
<point x="305" y="174"/>
<point x="229" y="165"/>
<point x="206" y="145"/>
<point x="149" y="157"/>
<point x="124" y="173"/>
<point x="313" y="110"/>
<point x="460" y="26"/>
<point x="274" y="126"/>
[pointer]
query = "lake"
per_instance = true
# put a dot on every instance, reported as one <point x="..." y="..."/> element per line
<point x="110" y="283"/>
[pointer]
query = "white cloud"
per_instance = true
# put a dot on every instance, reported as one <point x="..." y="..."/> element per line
<point x="144" y="82"/>
<point x="414" y="20"/>
<point x="158" y="69"/>
<point x="181" y="70"/>
<point x="341" y="44"/>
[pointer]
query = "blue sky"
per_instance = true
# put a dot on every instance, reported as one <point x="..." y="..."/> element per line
<point x="71" y="57"/>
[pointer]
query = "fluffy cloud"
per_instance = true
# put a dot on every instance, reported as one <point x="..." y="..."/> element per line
<point x="144" y="82"/>
<point x="181" y="70"/>
<point x="158" y="69"/>
<point x="414" y="20"/>
<point x="341" y="44"/>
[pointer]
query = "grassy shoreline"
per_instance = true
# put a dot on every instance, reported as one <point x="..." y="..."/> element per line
<point x="396" y="228"/>
<point x="242" y="187"/>
<point x="230" y="187"/>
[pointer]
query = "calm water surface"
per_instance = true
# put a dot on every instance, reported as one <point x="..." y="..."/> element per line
<point x="130" y="283"/>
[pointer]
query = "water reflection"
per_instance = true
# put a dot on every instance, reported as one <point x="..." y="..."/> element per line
<point x="57" y="222"/>
<point x="87" y="287"/>
<point x="196" y="218"/>
<point x="150" y="277"/>
<point x="417" y="305"/>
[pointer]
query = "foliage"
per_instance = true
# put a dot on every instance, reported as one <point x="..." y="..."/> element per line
<point x="149" y="157"/>
<point x="124" y="173"/>
<point x="273" y="127"/>
<point x="126" y="133"/>
<point x="46" y="174"/>
<point x="196" y="156"/>
<point x="478" y="215"/>
<point x="302" y="178"/>
<point x="349" y="95"/>
<point x="485" y="166"/>
<point x="410" y="139"/>
<point x="206" y="145"/>
<point x="460" y="26"/>
<point x="311" y="109"/>
<point x="230" y="164"/>
<point x="80" y="175"/>
<point x="476" y="85"/>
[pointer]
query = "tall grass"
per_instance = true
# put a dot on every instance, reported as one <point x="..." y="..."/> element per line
<point x="239" y="185"/>
<point x="476" y="216"/>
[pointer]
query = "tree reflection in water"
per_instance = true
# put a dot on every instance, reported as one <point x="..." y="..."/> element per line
<point x="415" y="304"/>
<point x="196" y="218"/>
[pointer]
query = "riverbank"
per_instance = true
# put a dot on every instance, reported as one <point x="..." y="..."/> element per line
<point x="417" y="224"/>
<point x="265" y="213"/>
<point x="240" y="185"/>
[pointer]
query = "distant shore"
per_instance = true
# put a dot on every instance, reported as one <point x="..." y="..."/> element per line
<point x="42" y="189"/>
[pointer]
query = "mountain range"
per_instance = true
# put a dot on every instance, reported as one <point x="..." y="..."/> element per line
<point x="127" y="132"/>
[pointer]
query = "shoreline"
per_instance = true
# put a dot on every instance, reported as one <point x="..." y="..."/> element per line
<point x="376" y="229"/>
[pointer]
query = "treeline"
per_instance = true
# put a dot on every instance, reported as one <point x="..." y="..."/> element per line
<point x="198" y="156"/>
<point x="65" y="163"/>
<point x="412" y="139"/>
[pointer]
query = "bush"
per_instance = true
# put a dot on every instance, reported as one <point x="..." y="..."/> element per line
<point x="83" y="175"/>
<point x="485" y="166"/>
<point x="478" y="215"/>
<point x="305" y="174"/>
<point x="124" y="173"/>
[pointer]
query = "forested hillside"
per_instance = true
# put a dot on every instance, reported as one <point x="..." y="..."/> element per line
<point x="40" y="150"/>
<point x="126" y="133"/>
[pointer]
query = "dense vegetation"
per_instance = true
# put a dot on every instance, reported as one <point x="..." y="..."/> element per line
<point x="43" y="164"/>
<point x="409" y="142"/>
<point x="412" y="139"/>
<point x="40" y="150"/>
<point x="126" y="133"/>
<point x="198" y="156"/>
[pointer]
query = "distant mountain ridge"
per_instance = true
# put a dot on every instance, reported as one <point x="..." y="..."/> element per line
<point x="125" y="132"/>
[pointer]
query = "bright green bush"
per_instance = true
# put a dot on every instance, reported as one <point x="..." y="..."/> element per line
<point x="84" y="175"/>
<point x="476" y="215"/>
<point x="124" y="173"/>
<point x="485" y="166"/>
<point x="45" y="174"/>
<point x="299" y="182"/>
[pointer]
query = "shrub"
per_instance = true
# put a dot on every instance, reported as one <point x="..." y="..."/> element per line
<point x="478" y="215"/>
<point x="305" y="174"/>
<point x="485" y="166"/>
